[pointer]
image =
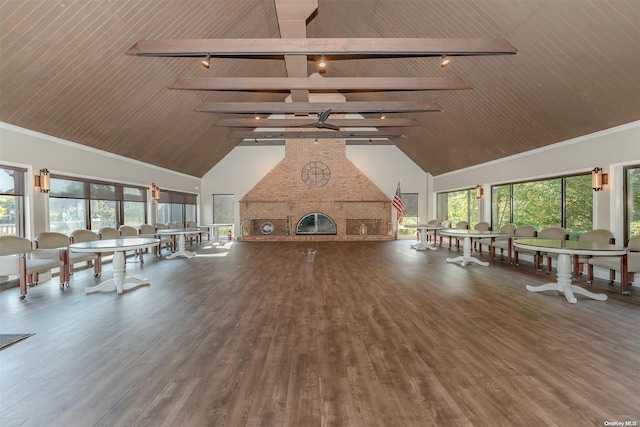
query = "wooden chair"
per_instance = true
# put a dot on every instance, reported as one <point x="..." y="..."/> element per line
<point x="149" y="231"/>
<point x="445" y="224"/>
<point x="615" y="264"/>
<point x="522" y="232"/>
<point x="554" y="233"/>
<point x="52" y="246"/>
<point x="598" y="235"/>
<point x="15" y="261"/>
<point x="79" y="236"/>
<point x="462" y="225"/>
<point x="483" y="226"/>
<point x="501" y="242"/>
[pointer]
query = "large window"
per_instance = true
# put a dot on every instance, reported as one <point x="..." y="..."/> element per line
<point x="223" y="208"/>
<point x="458" y="206"/>
<point x="565" y="201"/>
<point x="83" y="204"/>
<point x="632" y="205"/>
<point x="177" y="207"/>
<point x="12" y="187"/>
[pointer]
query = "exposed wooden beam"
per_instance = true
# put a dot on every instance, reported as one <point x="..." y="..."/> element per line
<point x="307" y="122"/>
<point x="389" y="47"/>
<point x="317" y="107"/>
<point x="312" y="134"/>
<point x="315" y="83"/>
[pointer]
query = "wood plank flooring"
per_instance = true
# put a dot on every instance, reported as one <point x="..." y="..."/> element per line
<point x="319" y="334"/>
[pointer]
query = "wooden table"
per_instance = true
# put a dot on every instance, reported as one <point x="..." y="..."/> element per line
<point x="422" y="229"/>
<point x="466" y="257"/>
<point x="565" y="249"/>
<point x="118" y="247"/>
<point x="182" y="241"/>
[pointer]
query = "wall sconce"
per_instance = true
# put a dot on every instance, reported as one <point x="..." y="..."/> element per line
<point x="479" y="191"/>
<point x="43" y="181"/>
<point x="155" y="192"/>
<point x="598" y="179"/>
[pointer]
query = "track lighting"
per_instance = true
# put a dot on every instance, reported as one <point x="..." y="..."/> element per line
<point x="445" y="61"/>
<point x="206" y="62"/>
<point x="383" y="116"/>
<point x="42" y="181"/>
<point x="322" y="64"/>
<point x="257" y="116"/>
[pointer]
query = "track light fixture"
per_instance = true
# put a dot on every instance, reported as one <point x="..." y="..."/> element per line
<point x="322" y="63"/>
<point x="42" y="181"/>
<point x="445" y="61"/>
<point x="383" y="116"/>
<point x="206" y="62"/>
<point x="257" y="116"/>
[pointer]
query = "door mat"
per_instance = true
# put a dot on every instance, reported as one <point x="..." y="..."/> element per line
<point x="7" y="339"/>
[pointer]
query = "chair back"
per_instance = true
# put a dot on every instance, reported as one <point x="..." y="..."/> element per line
<point x="434" y="222"/>
<point x="10" y="246"/>
<point x="484" y="226"/>
<point x="192" y="224"/>
<point x="108" y="233"/>
<point x="79" y="236"/>
<point x="161" y="226"/>
<point x="508" y="228"/>
<point x="47" y="245"/>
<point x="634" y="243"/>
<point x="598" y="235"/>
<point x="14" y="245"/>
<point x="526" y="231"/>
<point x="555" y="233"/>
<point x="446" y="223"/>
<point x="462" y="225"/>
<point x="127" y="230"/>
<point x="51" y="240"/>
<point x="146" y="229"/>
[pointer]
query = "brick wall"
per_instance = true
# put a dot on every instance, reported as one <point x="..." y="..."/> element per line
<point x="283" y="197"/>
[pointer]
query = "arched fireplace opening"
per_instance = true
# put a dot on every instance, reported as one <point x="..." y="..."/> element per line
<point x="316" y="223"/>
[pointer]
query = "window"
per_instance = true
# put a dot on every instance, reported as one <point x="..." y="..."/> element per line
<point x="85" y="204"/>
<point x="12" y="187"/>
<point x="223" y="208"/>
<point x="565" y="201"/>
<point x="458" y="206"/>
<point x="177" y="207"/>
<point x="409" y="214"/>
<point x="632" y="202"/>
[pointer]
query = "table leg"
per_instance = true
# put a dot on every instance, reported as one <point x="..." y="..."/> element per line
<point x="182" y="249"/>
<point x="422" y="245"/>
<point x="563" y="283"/>
<point x="466" y="257"/>
<point x="118" y="276"/>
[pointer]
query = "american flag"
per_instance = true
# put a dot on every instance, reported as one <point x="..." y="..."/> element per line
<point x="397" y="203"/>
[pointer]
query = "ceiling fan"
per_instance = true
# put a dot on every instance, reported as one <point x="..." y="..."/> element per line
<point x="321" y="122"/>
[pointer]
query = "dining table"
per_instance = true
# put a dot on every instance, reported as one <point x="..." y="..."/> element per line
<point x="423" y="229"/>
<point x="467" y="236"/>
<point x="181" y="234"/>
<point x="118" y="247"/>
<point x="565" y="250"/>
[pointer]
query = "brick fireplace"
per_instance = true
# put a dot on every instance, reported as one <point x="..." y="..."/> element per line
<point x="313" y="187"/>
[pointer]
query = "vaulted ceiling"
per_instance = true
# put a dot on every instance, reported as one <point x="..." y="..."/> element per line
<point x="64" y="72"/>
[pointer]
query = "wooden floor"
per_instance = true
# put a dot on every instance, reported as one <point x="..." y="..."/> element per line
<point x="319" y="334"/>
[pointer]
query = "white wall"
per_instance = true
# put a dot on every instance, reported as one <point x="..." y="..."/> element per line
<point x="35" y="151"/>
<point x="243" y="167"/>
